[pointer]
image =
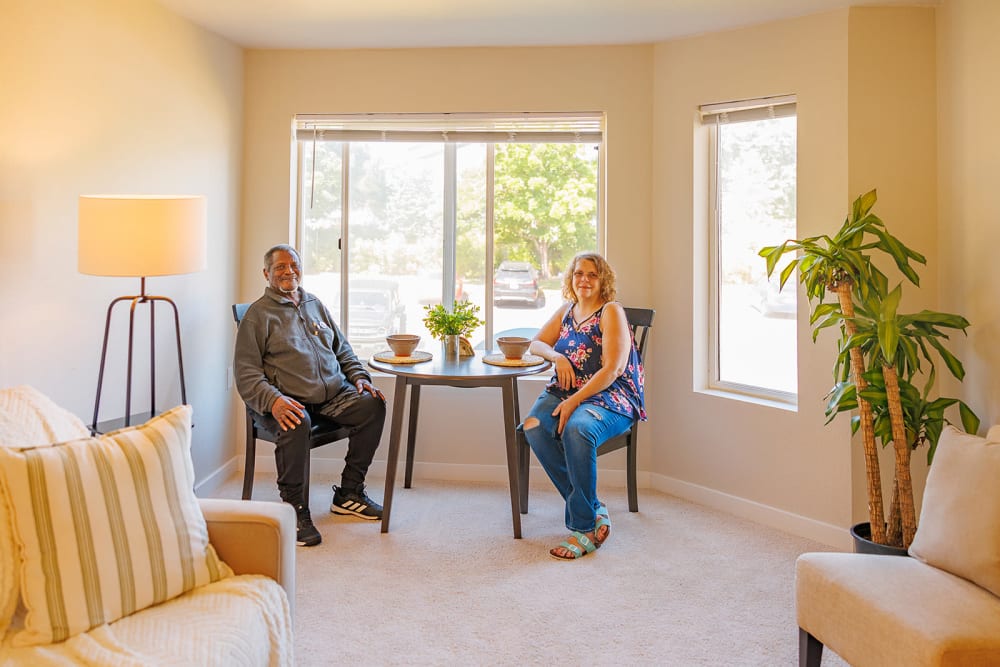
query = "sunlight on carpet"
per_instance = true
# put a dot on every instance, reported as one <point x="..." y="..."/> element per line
<point x="676" y="584"/>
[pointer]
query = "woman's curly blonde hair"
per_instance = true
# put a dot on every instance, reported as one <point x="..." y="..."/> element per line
<point x="604" y="272"/>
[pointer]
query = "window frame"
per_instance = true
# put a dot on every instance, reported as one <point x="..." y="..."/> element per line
<point x="450" y="129"/>
<point x="712" y="116"/>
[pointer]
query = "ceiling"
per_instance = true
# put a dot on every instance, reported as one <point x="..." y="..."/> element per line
<point x="316" y="24"/>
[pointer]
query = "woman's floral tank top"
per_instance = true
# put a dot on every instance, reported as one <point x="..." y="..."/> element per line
<point x="582" y="344"/>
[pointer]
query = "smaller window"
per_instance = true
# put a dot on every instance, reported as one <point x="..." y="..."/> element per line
<point x="752" y="199"/>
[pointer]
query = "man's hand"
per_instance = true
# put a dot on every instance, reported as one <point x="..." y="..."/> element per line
<point x="288" y="412"/>
<point x="364" y="386"/>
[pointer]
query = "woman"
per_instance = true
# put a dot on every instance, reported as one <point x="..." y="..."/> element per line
<point x="596" y="392"/>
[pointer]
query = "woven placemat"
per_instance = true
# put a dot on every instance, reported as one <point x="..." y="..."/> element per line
<point x="387" y="357"/>
<point x="497" y="359"/>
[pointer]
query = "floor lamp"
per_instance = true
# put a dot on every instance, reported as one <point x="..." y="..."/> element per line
<point x="140" y="236"/>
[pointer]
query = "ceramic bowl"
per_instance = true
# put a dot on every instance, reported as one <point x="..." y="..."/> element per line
<point x="513" y="347"/>
<point x="402" y="345"/>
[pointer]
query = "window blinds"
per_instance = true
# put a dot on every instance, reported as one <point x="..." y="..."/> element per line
<point x="761" y="108"/>
<point x="527" y="127"/>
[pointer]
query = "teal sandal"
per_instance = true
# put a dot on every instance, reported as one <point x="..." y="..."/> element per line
<point x="603" y="519"/>
<point x="584" y="545"/>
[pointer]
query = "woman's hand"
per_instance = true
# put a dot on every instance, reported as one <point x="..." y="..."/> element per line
<point x="565" y="373"/>
<point x="564" y="410"/>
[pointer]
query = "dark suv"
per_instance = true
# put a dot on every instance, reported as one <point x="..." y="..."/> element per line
<point x="517" y="282"/>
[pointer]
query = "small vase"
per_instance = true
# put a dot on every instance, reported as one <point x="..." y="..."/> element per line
<point x="451" y="346"/>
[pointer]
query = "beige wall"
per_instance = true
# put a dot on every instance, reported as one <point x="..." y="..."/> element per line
<point x="779" y="466"/>
<point x="968" y="175"/>
<point x="121" y="96"/>
<point x="616" y="80"/>
<point x="114" y="96"/>
<point x="868" y="81"/>
<point x="892" y="147"/>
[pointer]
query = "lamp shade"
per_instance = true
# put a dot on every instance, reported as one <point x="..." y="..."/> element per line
<point x="141" y="235"/>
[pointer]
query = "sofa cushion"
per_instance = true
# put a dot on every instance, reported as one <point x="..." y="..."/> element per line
<point x="107" y="526"/>
<point x="888" y="610"/>
<point x="241" y="620"/>
<point x="959" y="528"/>
<point x="27" y="418"/>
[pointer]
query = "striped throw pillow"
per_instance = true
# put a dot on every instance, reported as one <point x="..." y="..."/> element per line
<point x="107" y="526"/>
<point x="28" y="418"/>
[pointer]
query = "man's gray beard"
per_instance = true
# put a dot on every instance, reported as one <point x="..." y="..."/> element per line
<point x="290" y="291"/>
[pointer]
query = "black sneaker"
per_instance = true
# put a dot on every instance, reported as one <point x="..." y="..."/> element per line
<point x="306" y="534"/>
<point x="356" y="503"/>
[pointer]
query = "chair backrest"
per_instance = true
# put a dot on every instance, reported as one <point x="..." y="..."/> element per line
<point x="239" y="310"/>
<point x="640" y="320"/>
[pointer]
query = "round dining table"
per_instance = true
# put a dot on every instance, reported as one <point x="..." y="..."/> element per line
<point x="454" y="372"/>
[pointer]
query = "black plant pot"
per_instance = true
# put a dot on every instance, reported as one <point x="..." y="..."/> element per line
<point x="862" y="534"/>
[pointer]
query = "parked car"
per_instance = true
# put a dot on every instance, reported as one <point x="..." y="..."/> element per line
<point x="517" y="282"/>
<point x="375" y="311"/>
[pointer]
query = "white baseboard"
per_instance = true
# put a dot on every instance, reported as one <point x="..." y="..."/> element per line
<point x="795" y="524"/>
<point x="837" y="537"/>
<point x="215" y="480"/>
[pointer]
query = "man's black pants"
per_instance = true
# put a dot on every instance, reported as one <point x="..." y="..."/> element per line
<point x="363" y="415"/>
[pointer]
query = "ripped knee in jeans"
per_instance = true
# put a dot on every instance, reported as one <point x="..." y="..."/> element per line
<point x="531" y="422"/>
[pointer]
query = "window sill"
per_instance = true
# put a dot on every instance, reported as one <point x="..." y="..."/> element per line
<point x="749" y="398"/>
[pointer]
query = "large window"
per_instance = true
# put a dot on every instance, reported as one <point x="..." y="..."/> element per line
<point x="752" y="173"/>
<point x="398" y="212"/>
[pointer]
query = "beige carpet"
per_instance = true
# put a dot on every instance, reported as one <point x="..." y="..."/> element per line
<point x="676" y="584"/>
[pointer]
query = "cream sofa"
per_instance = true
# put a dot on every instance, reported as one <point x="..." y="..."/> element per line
<point x="939" y="607"/>
<point x="237" y="614"/>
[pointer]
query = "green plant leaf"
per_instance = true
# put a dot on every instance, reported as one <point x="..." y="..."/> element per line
<point x="970" y="422"/>
<point x="940" y="319"/>
<point x="899" y="252"/>
<point x="772" y="254"/>
<point x="864" y="204"/>
<point x="787" y="271"/>
<point x="823" y="310"/>
<point x="462" y="319"/>
<point x="888" y="329"/>
<point x="950" y="360"/>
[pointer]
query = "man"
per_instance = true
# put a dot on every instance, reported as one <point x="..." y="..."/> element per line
<point x="292" y="362"/>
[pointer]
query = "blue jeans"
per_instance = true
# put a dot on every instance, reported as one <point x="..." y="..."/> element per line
<point x="570" y="459"/>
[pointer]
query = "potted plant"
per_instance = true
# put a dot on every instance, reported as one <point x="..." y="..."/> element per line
<point x="881" y="353"/>
<point x="449" y="325"/>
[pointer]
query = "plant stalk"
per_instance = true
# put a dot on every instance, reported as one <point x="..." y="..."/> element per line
<point x="876" y="513"/>
<point x="894" y="527"/>
<point x="901" y="447"/>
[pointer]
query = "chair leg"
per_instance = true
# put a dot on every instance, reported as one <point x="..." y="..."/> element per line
<point x="251" y="459"/>
<point x="633" y="492"/>
<point x="411" y="435"/>
<point x="810" y="650"/>
<point x="523" y="459"/>
<point x="305" y="482"/>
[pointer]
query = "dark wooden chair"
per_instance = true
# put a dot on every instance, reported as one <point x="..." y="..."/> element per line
<point x="640" y="320"/>
<point x="323" y="432"/>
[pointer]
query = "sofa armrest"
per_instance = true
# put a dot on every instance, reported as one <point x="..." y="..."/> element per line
<point x="254" y="537"/>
